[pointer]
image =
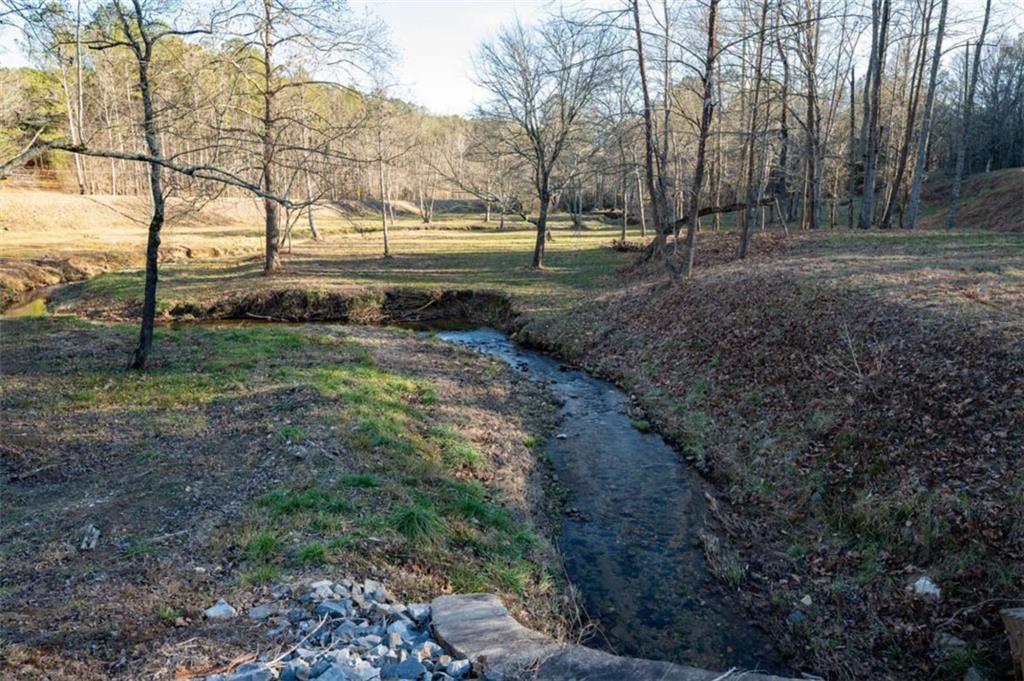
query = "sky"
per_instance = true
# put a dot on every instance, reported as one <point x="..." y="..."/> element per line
<point x="436" y="40"/>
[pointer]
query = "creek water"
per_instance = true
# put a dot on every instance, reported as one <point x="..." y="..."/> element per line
<point x="630" y="537"/>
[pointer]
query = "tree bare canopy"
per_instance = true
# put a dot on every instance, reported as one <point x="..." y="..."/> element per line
<point x="541" y="82"/>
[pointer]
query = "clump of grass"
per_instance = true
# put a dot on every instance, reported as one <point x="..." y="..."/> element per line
<point x="289" y="434"/>
<point x="287" y="502"/>
<point x="313" y="553"/>
<point x="417" y="522"/>
<point x="361" y="480"/>
<point x="643" y="425"/>
<point x="168" y="613"/>
<point x="261" y="574"/>
<point x="456" y="451"/>
<point x="264" y="547"/>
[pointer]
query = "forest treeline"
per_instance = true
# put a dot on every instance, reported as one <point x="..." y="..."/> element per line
<point x="812" y="113"/>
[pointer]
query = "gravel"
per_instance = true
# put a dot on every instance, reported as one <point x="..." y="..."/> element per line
<point x="344" y="631"/>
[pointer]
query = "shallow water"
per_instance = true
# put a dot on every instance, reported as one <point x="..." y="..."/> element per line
<point x="630" y="541"/>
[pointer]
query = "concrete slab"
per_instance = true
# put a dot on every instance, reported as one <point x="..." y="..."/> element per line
<point x="479" y="627"/>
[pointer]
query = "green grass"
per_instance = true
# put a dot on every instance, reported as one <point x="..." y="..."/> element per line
<point x="264" y="547"/>
<point x="259" y="575"/>
<point x="287" y="502"/>
<point x="643" y="425"/>
<point x="417" y="522"/>
<point x="168" y="613"/>
<point x="314" y="553"/>
<point x="363" y="480"/>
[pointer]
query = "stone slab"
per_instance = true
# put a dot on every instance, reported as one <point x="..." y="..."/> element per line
<point x="479" y="627"/>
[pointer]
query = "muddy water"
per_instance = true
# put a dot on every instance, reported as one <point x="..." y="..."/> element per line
<point x="630" y="539"/>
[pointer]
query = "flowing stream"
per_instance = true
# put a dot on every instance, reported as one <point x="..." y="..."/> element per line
<point x="630" y="536"/>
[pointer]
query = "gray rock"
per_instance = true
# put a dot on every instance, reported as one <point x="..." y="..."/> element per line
<point x="337" y="672"/>
<point x="796" y="617"/>
<point x="262" y="612"/>
<point x="295" y="670"/>
<point x="947" y="644"/>
<point x="297" y="615"/>
<point x="458" y="668"/>
<point x="924" y="586"/>
<point x="400" y="627"/>
<point x="220" y="611"/>
<point x="334" y="608"/>
<point x="92" y="535"/>
<point x="410" y="669"/>
<point x="251" y="672"/>
<point x="368" y="641"/>
<point x="318" y="668"/>
<point x="427" y="650"/>
<point x="418" y="612"/>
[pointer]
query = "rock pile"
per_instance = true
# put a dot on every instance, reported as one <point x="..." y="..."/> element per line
<point x="345" y="631"/>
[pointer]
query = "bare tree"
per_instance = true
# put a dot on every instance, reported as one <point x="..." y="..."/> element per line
<point x="280" y="46"/>
<point x="965" y="123"/>
<point x="540" y="83"/>
<point x="926" y="120"/>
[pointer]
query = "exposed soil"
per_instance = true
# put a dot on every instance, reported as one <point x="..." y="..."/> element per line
<point x="174" y="467"/>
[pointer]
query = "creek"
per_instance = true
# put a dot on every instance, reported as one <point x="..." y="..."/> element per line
<point x="630" y="539"/>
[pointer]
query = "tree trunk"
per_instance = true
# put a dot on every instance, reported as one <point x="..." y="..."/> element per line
<point x="908" y="133"/>
<point x="705" y="125"/>
<point x="961" y="150"/>
<point x="542" y="224"/>
<point x="156" y="223"/>
<point x="851" y="179"/>
<point x="270" y="208"/>
<point x="926" y="122"/>
<point x="880" y="26"/>
<point x="309" y="210"/>
<point x="753" y="182"/>
<point x="654" y="185"/>
<point x="383" y="193"/>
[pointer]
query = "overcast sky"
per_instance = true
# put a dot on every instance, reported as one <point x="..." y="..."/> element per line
<point x="435" y="41"/>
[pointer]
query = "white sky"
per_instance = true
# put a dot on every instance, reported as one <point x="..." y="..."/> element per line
<point x="435" y="41"/>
